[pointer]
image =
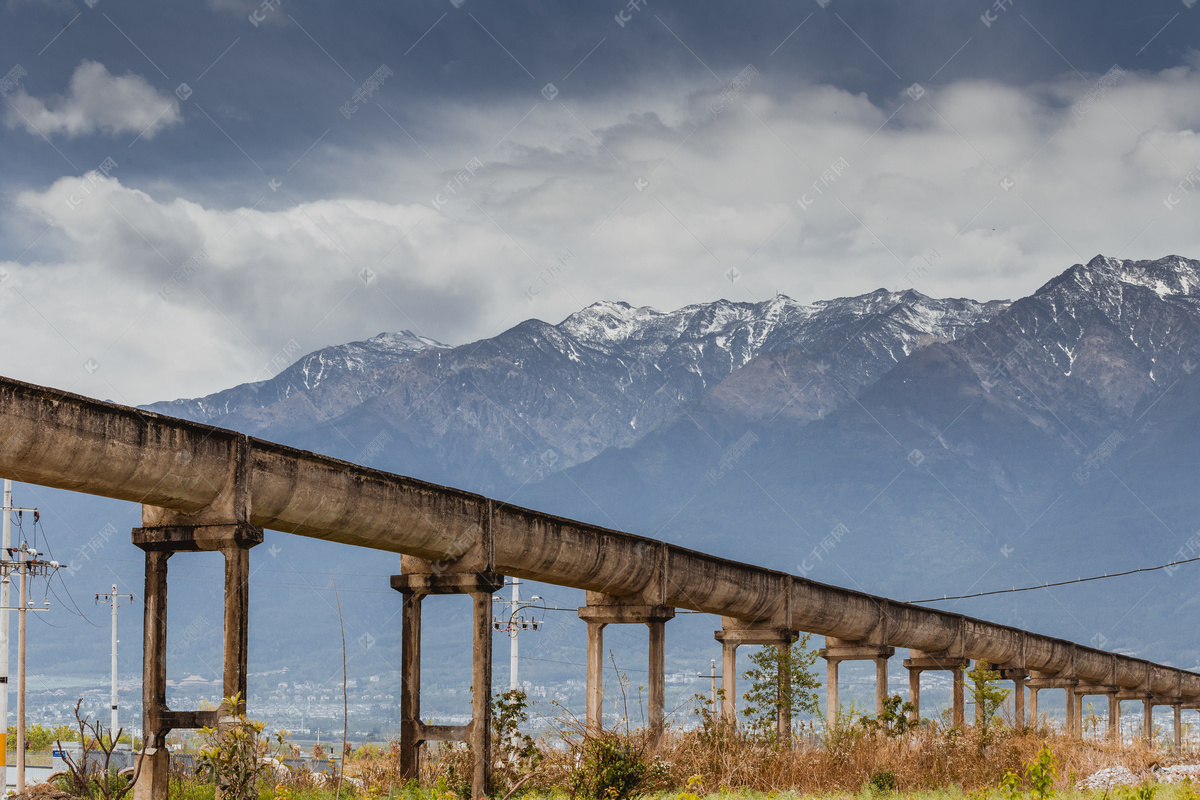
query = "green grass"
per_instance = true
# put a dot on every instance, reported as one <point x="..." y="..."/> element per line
<point x="190" y="789"/>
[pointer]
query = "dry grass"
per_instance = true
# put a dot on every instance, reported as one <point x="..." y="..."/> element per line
<point x="924" y="759"/>
<point x="929" y="763"/>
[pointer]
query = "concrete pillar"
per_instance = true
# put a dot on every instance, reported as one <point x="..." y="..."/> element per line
<point x="838" y="650"/>
<point x="1033" y="707"/>
<point x="1114" y="717"/>
<point x="410" y="686"/>
<point x="831" y="693"/>
<point x="602" y="610"/>
<point x="595" y="676"/>
<point x="237" y="629"/>
<point x="734" y="633"/>
<point x="1177" y="714"/>
<point x="152" y="782"/>
<point x="424" y="580"/>
<point x="918" y="662"/>
<point x="658" y="678"/>
<point x="1076" y="701"/>
<point x="729" y="682"/>
<point x="783" y="724"/>
<point x="1018" y="675"/>
<point x="221" y="527"/>
<point x="914" y="695"/>
<point x="479" y="731"/>
<point x="960" y="716"/>
<point x="881" y="683"/>
<point x="1148" y="718"/>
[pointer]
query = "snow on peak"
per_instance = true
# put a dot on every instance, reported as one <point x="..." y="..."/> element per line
<point x="404" y="341"/>
<point x="607" y="321"/>
<point x="1166" y="277"/>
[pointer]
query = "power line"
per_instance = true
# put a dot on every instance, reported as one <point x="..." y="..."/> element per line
<point x="1058" y="583"/>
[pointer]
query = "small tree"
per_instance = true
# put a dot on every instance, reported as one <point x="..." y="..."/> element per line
<point x="94" y="777"/>
<point x="781" y="679"/>
<point x="515" y="753"/>
<point x="894" y="719"/>
<point x="987" y="695"/>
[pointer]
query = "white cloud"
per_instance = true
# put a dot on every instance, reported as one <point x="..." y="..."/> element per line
<point x="924" y="180"/>
<point x="95" y="101"/>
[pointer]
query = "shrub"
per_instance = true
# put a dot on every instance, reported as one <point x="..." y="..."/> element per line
<point x="230" y="757"/>
<point x="883" y="781"/>
<point x="614" y="767"/>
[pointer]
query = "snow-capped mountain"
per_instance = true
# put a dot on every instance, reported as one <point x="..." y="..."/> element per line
<point x="1058" y="438"/>
<point x="540" y="397"/>
<point x="343" y="371"/>
<point x="890" y="442"/>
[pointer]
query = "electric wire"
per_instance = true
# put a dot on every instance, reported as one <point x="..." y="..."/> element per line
<point x="1052" y="584"/>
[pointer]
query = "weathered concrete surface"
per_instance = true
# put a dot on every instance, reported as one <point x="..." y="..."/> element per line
<point x="66" y="441"/>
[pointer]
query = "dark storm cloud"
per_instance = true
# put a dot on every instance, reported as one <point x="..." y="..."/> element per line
<point x="519" y="159"/>
<point x="262" y="94"/>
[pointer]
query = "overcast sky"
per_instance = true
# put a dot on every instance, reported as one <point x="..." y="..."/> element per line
<point x="189" y="189"/>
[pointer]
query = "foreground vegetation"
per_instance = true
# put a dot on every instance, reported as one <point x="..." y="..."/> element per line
<point x="863" y="758"/>
<point x="860" y="756"/>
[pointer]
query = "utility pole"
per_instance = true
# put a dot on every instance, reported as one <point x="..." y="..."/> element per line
<point x="5" y="622"/>
<point x="514" y="626"/>
<point x="24" y="560"/>
<point x="712" y="673"/>
<point x="514" y="642"/>
<point x="6" y="542"/>
<point x="112" y="599"/>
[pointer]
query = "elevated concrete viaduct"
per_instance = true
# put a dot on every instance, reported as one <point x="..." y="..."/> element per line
<point x="207" y="488"/>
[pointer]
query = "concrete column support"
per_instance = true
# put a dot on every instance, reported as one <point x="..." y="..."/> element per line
<point x="417" y="584"/>
<point x="1114" y="717"/>
<point x="1033" y="708"/>
<point x="960" y="715"/>
<point x="918" y="662"/>
<point x="658" y="677"/>
<point x="1078" y="702"/>
<point x="1040" y="680"/>
<point x="881" y="682"/>
<point x="1019" y="704"/>
<point x="1177" y="728"/>
<point x="1114" y="706"/>
<point x="602" y="610"/>
<point x="220" y="528"/>
<point x="734" y="633"/>
<point x="152" y="777"/>
<point x="1147" y="699"/>
<point x="595" y="676"/>
<point x="783" y="721"/>
<point x="914" y="695"/>
<point x="729" y="682"/>
<point x="237" y="630"/>
<point x="832" y="704"/>
<point x="1019" y="677"/>
<point x="837" y="651"/>
<point x="479" y="733"/>
<point x="410" y="686"/>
